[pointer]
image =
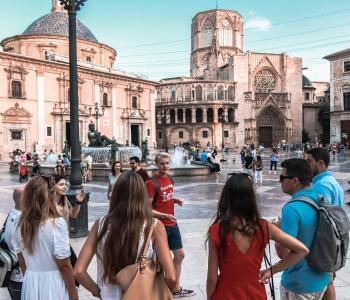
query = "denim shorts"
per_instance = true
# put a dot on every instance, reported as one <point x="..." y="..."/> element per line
<point x="174" y="237"/>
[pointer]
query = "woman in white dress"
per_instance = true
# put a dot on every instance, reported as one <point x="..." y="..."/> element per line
<point x="117" y="238"/>
<point x="42" y="245"/>
<point x="116" y="170"/>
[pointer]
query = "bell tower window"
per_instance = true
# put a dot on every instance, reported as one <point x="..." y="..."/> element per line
<point x="16" y="87"/>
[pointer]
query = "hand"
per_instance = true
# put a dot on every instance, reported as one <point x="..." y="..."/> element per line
<point x="265" y="275"/>
<point x="277" y="222"/>
<point x="179" y="202"/>
<point x="168" y="217"/>
<point x="80" y="198"/>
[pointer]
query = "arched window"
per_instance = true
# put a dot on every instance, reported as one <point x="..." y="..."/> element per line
<point x="210" y="115"/>
<point x="172" y="116"/>
<point x="173" y="93"/>
<point x="220" y="114"/>
<point x="16" y="87"/>
<point x="199" y="92"/>
<point x="210" y="93"/>
<point x="199" y="115"/>
<point x="225" y="33"/>
<point x="231" y="93"/>
<point x="207" y="37"/>
<point x="231" y="115"/>
<point x="188" y="115"/>
<point x="105" y="99"/>
<point x="220" y="92"/>
<point x="180" y="115"/>
<point x="134" y="102"/>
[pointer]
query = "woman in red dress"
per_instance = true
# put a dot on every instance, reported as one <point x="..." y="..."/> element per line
<point x="237" y="239"/>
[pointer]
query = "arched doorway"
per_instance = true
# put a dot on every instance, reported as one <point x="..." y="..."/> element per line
<point x="270" y="126"/>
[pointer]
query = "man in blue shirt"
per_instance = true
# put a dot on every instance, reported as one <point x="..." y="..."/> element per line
<point x="299" y="220"/>
<point x="324" y="184"/>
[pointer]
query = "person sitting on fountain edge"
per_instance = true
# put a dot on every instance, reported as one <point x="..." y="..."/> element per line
<point x="135" y="167"/>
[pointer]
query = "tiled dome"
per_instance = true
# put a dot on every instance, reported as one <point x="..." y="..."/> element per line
<point x="56" y="23"/>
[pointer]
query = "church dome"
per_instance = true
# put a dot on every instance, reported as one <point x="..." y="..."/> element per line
<point x="56" y="23"/>
<point x="306" y="82"/>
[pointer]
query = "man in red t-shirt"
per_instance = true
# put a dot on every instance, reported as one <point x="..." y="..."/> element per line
<point x="163" y="209"/>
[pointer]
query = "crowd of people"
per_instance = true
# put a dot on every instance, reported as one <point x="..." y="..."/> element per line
<point x="141" y="225"/>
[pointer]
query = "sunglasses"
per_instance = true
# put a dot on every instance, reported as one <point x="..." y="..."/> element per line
<point x="283" y="177"/>
<point x="239" y="173"/>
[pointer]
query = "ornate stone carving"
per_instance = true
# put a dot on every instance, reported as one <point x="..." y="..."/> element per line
<point x="265" y="81"/>
<point x="17" y="115"/>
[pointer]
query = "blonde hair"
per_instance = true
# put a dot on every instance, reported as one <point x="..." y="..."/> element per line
<point x="161" y="155"/>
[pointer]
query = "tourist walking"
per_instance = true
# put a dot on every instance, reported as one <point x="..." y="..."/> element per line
<point x="64" y="207"/>
<point x="249" y="164"/>
<point x="42" y="245"/>
<point x="15" y="284"/>
<point x="324" y="184"/>
<point x="118" y="238"/>
<point x="36" y="164"/>
<point x="237" y="239"/>
<point x="135" y="167"/>
<point x="274" y="160"/>
<point x="116" y="171"/>
<point x="259" y="166"/>
<point x="299" y="219"/>
<point x="161" y="192"/>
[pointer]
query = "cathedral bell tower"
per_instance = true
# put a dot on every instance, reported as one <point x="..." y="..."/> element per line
<point x="56" y="6"/>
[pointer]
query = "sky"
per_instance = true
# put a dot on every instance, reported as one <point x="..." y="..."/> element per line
<point x="152" y="37"/>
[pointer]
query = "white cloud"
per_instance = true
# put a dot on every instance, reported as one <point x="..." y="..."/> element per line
<point x="258" y="23"/>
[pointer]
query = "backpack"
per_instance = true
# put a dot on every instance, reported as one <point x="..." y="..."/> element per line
<point x="8" y="260"/>
<point x="330" y="245"/>
<point x="156" y="182"/>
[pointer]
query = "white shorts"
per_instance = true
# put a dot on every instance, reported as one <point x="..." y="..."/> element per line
<point x="288" y="295"/>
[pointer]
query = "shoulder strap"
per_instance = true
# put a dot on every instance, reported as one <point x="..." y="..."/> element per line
<point x="171" y="179"/>
<point x="145" y="246"/>
<point x="306" y="200"/>
<point x="156" y="182"/>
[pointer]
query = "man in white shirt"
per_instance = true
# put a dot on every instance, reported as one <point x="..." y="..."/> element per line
<point x="15" y="284"/>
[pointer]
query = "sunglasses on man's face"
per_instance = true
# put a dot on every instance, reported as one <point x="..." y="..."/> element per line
<point x="283" y="177"/>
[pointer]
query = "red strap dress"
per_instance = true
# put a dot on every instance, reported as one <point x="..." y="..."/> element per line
<point x="239" y="272"/>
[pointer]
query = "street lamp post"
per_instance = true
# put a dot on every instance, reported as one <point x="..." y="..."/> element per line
<point x="223" y="117"/>
<point x="79" y="226"/>
<point x="163" y="117"/>
<point x="96" y="113"/>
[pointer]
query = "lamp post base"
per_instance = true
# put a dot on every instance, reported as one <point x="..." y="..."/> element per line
<point x="78" y="227"/>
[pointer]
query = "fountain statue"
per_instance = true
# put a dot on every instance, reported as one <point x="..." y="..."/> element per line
<point x="144" y="149"/>
<point x="98" y="140"/>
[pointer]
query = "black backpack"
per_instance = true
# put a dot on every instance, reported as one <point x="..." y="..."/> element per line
<point x="331" y="241"/>
<point x="156" y="182"/>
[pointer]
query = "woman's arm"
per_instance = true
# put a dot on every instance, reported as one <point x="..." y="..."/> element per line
<point x="65" y="267"/>
<point x="79" y="200"/>
<point x="22" y="262"/>
<point x="109" y="191"/>
<point x="85" y="256"/>
<point x="297" y="251"/>
<point x="213" y="265"/>
<point x="164" y="256"/>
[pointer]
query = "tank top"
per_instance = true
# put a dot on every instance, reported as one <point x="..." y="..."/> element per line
<point x="113" y="291"/>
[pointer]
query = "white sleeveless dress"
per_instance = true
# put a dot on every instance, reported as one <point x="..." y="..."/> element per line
<point x="113" y="291"/>
<point x="42" y="279"/>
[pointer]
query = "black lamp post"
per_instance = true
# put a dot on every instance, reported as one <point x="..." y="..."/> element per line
<point x="163" y="117"/>
<point x="223" y="117"/>
<point x="78" y="226"/>
<point x="96" y="113"/>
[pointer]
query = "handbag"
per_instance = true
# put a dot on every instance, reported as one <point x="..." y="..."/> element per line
<point x="143" y="280"/>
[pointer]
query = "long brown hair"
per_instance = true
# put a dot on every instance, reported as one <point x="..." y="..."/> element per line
<point x="37" y="207"/>
<point x="128" y="212"/>
<point x="237" y="200"/>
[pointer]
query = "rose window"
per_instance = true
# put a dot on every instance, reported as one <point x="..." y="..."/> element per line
<point x="265" y="81"/>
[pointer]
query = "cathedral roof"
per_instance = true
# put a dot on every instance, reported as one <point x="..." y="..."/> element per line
<point x="307" y="82"/>
<point x="56" y="23"/>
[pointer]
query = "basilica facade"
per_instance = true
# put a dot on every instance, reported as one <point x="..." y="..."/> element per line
<point x="232" y="97"/>
<point x="34" y="89"/>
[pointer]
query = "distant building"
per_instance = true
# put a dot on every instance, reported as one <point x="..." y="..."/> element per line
<point x="316" y="95"/>
<point x="340" y="95"/>
<point x="258" y="95"/>
<point x="34" y="89"/>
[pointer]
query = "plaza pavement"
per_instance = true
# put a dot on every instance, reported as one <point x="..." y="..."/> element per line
<point x="194" y="217"/>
